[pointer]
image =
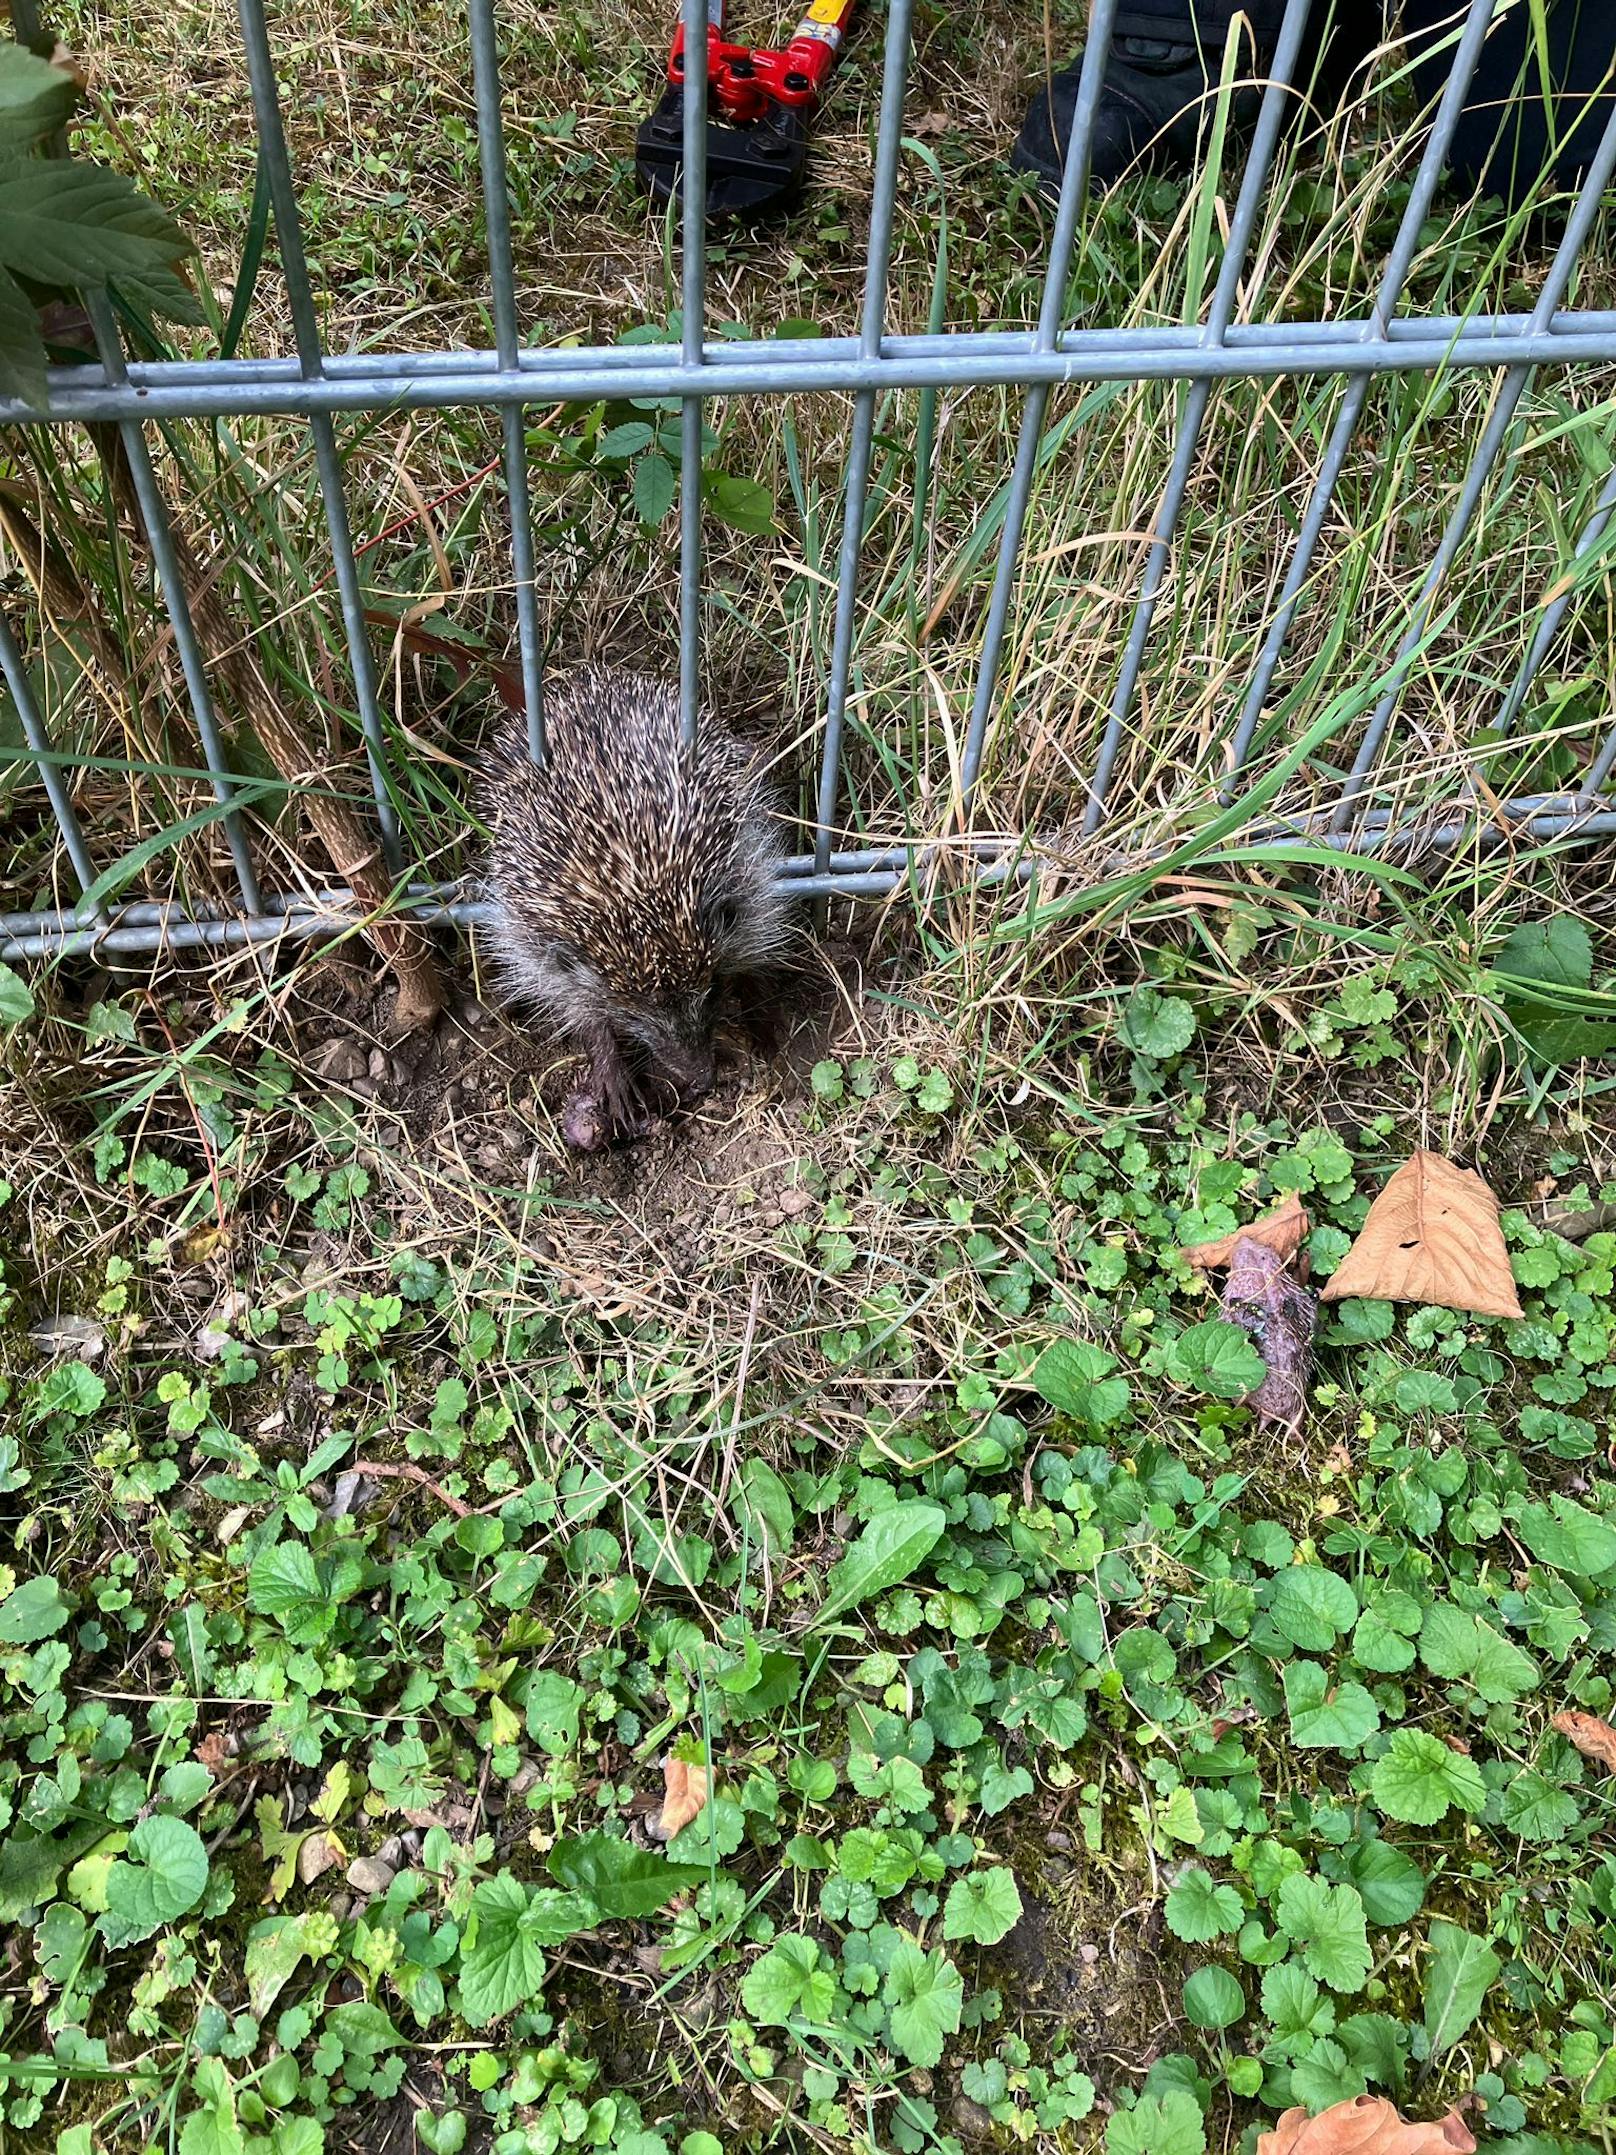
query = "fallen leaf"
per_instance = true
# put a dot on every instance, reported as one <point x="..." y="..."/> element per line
<point x="202" y="1243"/>
<point x="1269" y="1303"/>
<point x="1283" y="1230"/>
<point x="319" y="1853"/>
<point x="1338" y="1460"/>
<point x="1368" y="2125"/>
<point x="685" y="1791"/>
<point x="1593" y="1738"/>
<point x="1432" y="1236"/>
<point x="78" y="1336"/>
<point x="213" y="1751"/>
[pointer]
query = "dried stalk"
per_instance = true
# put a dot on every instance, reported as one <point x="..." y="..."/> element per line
<point x="353" y="847"/>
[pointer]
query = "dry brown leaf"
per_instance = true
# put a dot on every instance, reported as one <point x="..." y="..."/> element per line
<point x="684" y="1793"/>
<point x="1432" y="1236"/>
<point x="1368" y="2125"/>
<point x="1593" y="1738"/>
<point x="1283" y="1231"/>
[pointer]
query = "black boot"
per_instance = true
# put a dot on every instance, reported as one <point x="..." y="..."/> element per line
<point x="1160" y="80"/>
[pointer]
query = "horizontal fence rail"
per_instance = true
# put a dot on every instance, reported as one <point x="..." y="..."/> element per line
<point x="314" y="388"/>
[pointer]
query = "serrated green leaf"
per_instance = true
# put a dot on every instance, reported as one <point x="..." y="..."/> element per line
<point x="1076" y="1378"/>
<point x="1199" y="1910"/>
<point x="275" y="1947"/>
<point x="622" y="1881"/>
<point x="70" y="225"/>
<point x="1535" y="1809"/>
<point x="35" y="1610"/>
<point x="924" y="1997"/>
<point x="1418" y="1779"/>
<point x="1326" y="1925"/>
<point x="1156" y="1025"/>
<point x="1324" y="1717"/>
<point x="1455" y="1643"/>
<point x="1216" y="1357"/>
<point x="655" y="485"/>
<point x="1391" y="1884"/>
<point x="1558" y="952"/>
<point x="1169" y="2124"/>
<point x="790" y="1983"/>
<point x="160" y="1877"/>
<point x="1310" y="1607"/>
<point x="984" y="1906"/>
<point x="502" y="1956"/>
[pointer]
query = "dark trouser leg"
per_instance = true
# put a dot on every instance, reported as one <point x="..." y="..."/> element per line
<point x="1160" y="76"/>
<point x="1511" y="133"/>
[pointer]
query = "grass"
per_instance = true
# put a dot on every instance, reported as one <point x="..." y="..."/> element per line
<point x="413" y="1494"/>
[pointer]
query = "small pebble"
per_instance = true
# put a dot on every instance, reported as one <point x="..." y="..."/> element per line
<point x="369" y="1874"/>
<point x="376" y="1062"/>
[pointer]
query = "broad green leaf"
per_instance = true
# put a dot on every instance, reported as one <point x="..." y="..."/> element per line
<point x="744" y="504"/>
<point x="1342" y="1718"/>
<point x="16" y="996"/>
<point x="1199" y="1911"/>
<point x="654" y="487"/>
<point x="924" y="1997"/>
<point x="1216" y="1357"/>
<point x="1455" y="1643"/>
<point x="626" y="440"/>
<point x="275" y="1947"/>
<point x="767" y="1503"/>
<point x="1568" y="1537"/>
<point x="622" y="1881"/>
<point x="1169" y="2124"/>
<point x="1418" y="1779"/>
<point x="791" y="1982"/>
<point x="1535" y="1809"/>
<point x="1213" y="1999"/>
<point x="59" y="1942"/>
<point x="285" y="1583"/>
<point x="1326" y="1925"/>
<point x="1076" y="1378"/>
<point x="502" y="1955"/>
<point x="984" y="1905"/>
<point x="891" y="1546"/>
<point x="72" y="225"/>
<point x="22" y="374"/>
<point x="1311" y="1607"/>
<point x="35" y="98"/>
<point x="35" y="1610"/>
<point x="1296" y="2008"/>
<point x="160" y="1877"/>
<point x="1391" y="1884"/>
<point x="1457" y="1976"/>
<point x="212" y="2129"/>
<point x="1156" y="1025"/>
<point x="1557" y="952"/>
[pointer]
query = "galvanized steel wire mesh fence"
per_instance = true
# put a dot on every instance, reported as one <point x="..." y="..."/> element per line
<point x="95" y="908"/>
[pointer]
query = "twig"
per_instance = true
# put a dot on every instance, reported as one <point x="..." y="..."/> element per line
<point x="403" y="1472"/>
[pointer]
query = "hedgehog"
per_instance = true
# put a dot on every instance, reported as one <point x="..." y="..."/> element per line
<point x="631" y="879"/>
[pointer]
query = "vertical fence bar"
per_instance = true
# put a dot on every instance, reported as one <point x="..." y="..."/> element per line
<point x="888" y="141"/>
<point x="1198" y="396"/>
<point x="1074" y="184"/>
<point x="1554" y="612"/>
<point x="693" y="276"/>
<point x="311" y="363"/>
<point x="1388" y="292"/>
<point x="1578" y="225"/>
<point x="154" y="513"/>
<point x="37" y="736"/>
<point x="502" y="278"/>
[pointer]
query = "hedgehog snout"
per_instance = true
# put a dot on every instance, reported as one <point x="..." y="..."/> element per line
<point x="676" y="1038"/>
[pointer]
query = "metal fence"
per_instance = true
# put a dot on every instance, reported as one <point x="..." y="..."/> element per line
<point x="316" y="386"/>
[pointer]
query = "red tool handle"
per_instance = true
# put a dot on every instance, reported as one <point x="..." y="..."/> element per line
<point x="743" y="79"/>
